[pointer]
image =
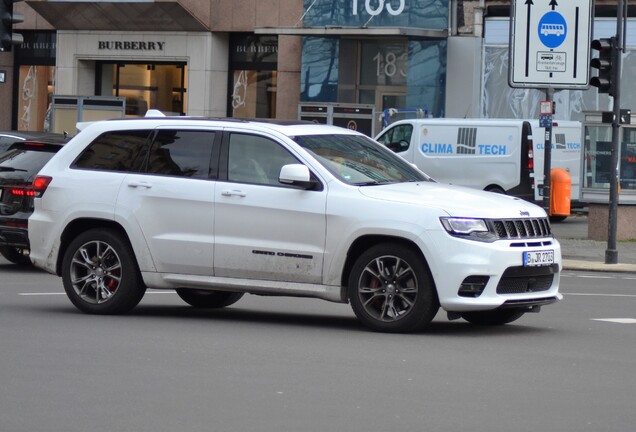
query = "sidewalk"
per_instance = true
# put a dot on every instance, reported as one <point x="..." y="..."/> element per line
<point x="580" y="253"/>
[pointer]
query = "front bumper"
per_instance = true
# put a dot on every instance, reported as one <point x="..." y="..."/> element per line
<point x="498" y="269"/>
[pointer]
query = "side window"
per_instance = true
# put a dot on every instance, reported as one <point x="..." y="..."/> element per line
<point x="400" y="138"/>
<point x="183" y="153"/>
<point x="254" y="159"/>
<point x="116" y="151"/>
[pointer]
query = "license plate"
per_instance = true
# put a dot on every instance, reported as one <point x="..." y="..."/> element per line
<point x="538" y="258"/>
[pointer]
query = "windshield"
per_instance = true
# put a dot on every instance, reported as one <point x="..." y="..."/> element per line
<point x="19" y="159"/>
<point x="358" y="160"/>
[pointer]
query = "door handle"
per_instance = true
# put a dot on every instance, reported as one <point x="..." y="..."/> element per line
<point x="233" y="193"/>
<point x="135" y="184"/>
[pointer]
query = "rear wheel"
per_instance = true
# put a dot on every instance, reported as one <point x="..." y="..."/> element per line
<point x="16" y="255"/>
<point x="494" y="317"/>
<point x="391" y="289"/>
<point x="100" y="273"/>
<point x="208" y="299"/>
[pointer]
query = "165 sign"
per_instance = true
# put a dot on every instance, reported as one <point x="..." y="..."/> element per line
<point x="375" y="7"/>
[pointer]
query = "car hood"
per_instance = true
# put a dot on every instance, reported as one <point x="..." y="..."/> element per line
<point x="455" y="200"/>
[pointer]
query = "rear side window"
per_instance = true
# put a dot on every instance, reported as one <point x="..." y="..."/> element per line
<point x="116" y="151"/>
<point x="183" y="153"/>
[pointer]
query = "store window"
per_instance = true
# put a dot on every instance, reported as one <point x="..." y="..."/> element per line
<point x="628" y="159"/>
<point x="145" y="86"/>
<point x="387" y="73"/>
<point x="35" y="62"/>
<point x="253" y="77"/>
<point x="597" y="167"/>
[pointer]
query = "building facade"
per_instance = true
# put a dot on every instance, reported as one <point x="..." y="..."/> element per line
<point x="262" y="58"/>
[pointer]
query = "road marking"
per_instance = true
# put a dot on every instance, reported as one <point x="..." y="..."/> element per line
<point x="595" y="276"/>
<point x="33" y="294"/>
<point x="42" y="294"/>
<point x="617" y="320"/>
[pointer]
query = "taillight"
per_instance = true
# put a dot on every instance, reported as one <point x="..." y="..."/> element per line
<point x="23" y="192"/>
<point x="40" y="184"/>
<point x="530" y="158"/>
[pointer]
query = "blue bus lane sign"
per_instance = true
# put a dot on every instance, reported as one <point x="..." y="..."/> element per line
<point x="550" y="44"/>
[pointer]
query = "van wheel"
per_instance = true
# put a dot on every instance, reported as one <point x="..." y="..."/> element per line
<point x="493" y="317"/>
<point x="391" y="289"/>
<point x="100" y="273"/>
<point x="495" y="189"/>
<point x="208" y="299"/>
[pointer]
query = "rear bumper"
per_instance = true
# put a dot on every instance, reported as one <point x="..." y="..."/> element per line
<point x="16" y="237"/>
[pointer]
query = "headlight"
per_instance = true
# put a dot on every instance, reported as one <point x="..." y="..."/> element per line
<point x="471" y="229"/>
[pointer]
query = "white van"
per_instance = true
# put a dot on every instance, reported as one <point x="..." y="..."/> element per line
<point x="489" y="154"/>
<point x="566" y="153"/>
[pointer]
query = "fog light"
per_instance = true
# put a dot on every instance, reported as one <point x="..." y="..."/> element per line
<point x="473" y="286"/>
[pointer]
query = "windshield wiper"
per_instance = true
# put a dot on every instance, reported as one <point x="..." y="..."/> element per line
<point x="373" y="183"/>
<point x="3" y="168"/>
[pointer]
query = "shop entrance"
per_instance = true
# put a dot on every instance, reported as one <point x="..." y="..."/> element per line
<point x="145" y="86"/>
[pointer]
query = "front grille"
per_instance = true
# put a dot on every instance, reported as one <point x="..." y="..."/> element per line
<point x="521" y="228"/>
<point x="519" y="280"/>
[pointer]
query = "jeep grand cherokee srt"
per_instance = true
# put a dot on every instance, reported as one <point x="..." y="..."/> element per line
<point x="215" y="209"/>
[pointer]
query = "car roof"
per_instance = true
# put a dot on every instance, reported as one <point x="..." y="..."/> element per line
<point x="13" y="139"/>
<point x="285" y="127"/>
<point x="32" y="135"/>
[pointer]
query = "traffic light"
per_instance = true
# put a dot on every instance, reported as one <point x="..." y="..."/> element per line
<point x="7" y="18"/>
<point x="605" y="61"/>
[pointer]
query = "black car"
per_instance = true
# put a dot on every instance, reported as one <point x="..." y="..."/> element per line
<point x="20" y="161"/>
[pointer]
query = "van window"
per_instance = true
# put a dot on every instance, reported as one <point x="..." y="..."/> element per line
<point x="398" y="138"/>
<point x="116" y="151"/>
<point x="182" y="153"/>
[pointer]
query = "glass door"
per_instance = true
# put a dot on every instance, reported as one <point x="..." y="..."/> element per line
<point x="145" y="86"/>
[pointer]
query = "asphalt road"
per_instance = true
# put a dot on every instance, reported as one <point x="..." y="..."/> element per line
<point x="281" y="364"/>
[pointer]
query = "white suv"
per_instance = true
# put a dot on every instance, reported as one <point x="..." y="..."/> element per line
<point x="218" y="208"/>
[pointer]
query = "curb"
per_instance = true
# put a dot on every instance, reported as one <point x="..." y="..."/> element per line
<point x="597" y="266"/>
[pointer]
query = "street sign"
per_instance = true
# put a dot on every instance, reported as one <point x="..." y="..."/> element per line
<point x="550" y="43"/>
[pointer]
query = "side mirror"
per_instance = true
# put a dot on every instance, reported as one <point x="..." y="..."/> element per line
<point x="296" y="175"/>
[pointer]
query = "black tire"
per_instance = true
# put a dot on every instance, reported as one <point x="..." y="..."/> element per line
<point x="391" y="289"/>
<point x="16" y="255"/>
<point x="100" y="273"/>
<point x="559" y="218"/>
<point x="495" y="189"/>
<point x="494" y="317"/>
<point x="208" y="299"/>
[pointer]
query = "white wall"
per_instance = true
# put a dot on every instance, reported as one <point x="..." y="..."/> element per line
<point x="463" y="77"/>
<point x="206" y="55"/>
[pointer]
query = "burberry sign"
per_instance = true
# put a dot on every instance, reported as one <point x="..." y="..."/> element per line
<point x="131" y="45"/>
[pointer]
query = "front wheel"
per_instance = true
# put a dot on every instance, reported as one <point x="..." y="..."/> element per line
<point x="208" y="299"/>
<point x="493" y="317"/>
<point x="100" y="273"/>
<point x="391" y="289"/>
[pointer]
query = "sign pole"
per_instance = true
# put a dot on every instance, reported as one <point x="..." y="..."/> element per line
<point x="546" y="121"/>
<point x="611" y="253"/>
